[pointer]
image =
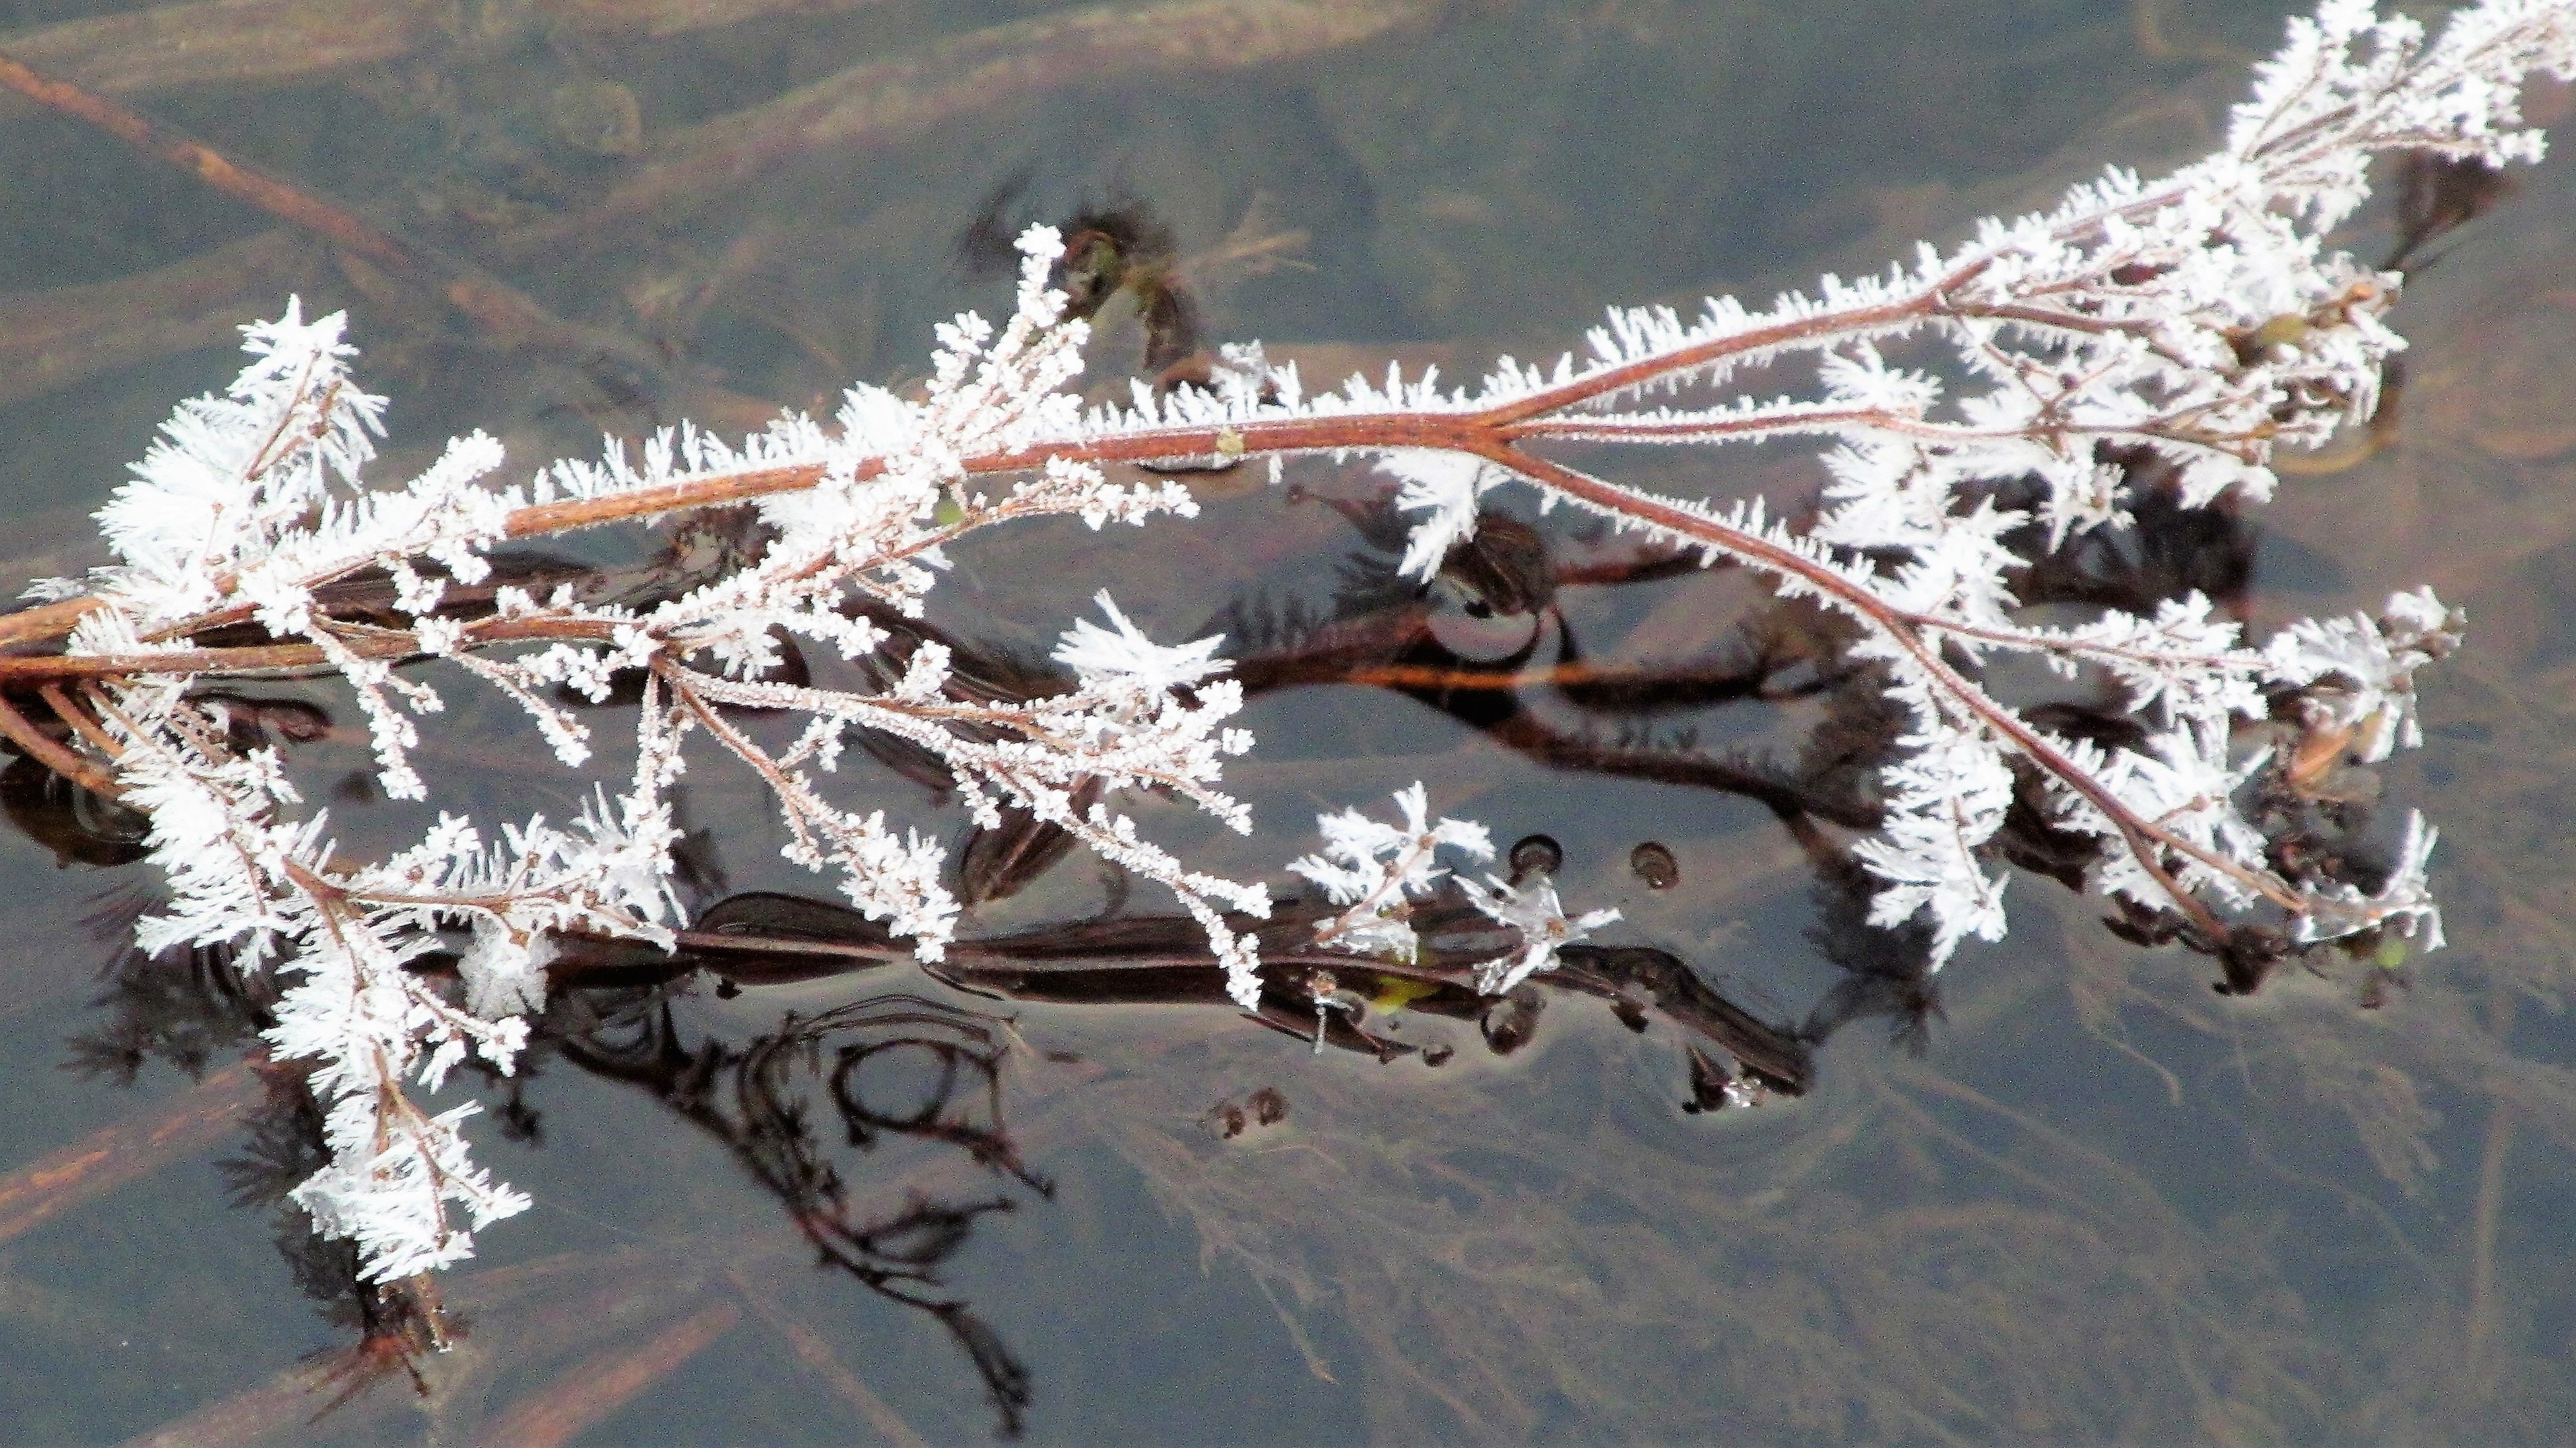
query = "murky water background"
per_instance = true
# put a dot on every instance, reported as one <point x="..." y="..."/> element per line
<point x="2089" y="1200"/>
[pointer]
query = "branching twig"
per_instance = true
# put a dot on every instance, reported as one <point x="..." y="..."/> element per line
<point x="2199" y="320"/>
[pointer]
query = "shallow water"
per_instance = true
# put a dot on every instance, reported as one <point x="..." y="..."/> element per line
<point x="2086" y="1199"/>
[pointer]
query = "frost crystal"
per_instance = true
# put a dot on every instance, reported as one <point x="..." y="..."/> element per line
<point x="1445" y="485"/>
<point x="2404" y="904"/>
<point x="1945" y="799"/>
<point x="2359" y="672"/>
<point x="1098" y="655"/>
<point x="250" y="504"/>
<point x="2200" y="321"/>
<point x="1533" y="910"/>
<point x="1376" y="870"/>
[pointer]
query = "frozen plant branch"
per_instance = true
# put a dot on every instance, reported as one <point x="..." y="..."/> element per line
<point x="247" y="508"/>
<point x="1376" y="871"/>
<point x="2200" y="320"/>
<point x="1533" y="910"/>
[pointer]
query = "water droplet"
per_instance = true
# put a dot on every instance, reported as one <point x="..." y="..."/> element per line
<point x="1535" y="855"/>
<point x="1509" y="1023"/>
<point x="1655" y="865"/>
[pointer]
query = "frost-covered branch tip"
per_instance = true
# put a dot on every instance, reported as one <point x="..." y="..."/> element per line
<point x="252" y="506"/>
<point x="2198" y="323"/>
<point x="1376" y="871"/>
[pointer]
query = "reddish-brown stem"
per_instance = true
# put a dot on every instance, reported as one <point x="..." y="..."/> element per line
<point x="277" y="198"/>
<point x="1795" y="421"/>
<point x="323" y="891"/>
<point x="1486" y="433"/>
<point x="2013" y="640"/>
<point x="492" y="306"/>
<point x="53" y="755"/>
<point x="1581" y="428"/>
<point x="1493" y="433"/>
<point x="256" y="658"/>
<point x="790" y="798"/>
<point x="79" y="720"/>
<point x="46" y="623"/>
<point x="1552" y="676"/>
<point x="82" y="1171"/>
<point x="2143" y="838"/>
<point x="489" y="303"/>
<point x="1473" y="432"/>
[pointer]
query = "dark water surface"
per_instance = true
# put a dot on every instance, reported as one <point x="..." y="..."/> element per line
<point x="2085" y="1199"/>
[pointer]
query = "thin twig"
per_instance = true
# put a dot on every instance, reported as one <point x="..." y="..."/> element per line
<point x="115" y="1155"/>
<point x="494" y="307"/>
<point x="51" y="754"/>
<point x="80" y="721"/>
<point x="2475" y="1352"/>
<point x="1482" y="433"/>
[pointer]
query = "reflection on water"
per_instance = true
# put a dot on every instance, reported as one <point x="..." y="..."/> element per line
<point x="1053" y="1187"/>
<point x="895" y="1065"/>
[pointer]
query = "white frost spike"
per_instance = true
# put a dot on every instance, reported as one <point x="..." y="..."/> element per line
<point x="2405" y="903"/>
<point x="1122" y="654"/>
<point x="1373" y="868"/>
<point x="386" y="1188"/>
<point x="2183" y="781"/>
<point x="229" y="473"/>
<point x="504" y="973"/>
<point x="2359" y="673"/>
<point x="233" y="509"/>
<point x="2200" y="320"/>
<point x="1448" y="486"/>
<point x="1534" y="911"/>
<point x="1946" y="798"/>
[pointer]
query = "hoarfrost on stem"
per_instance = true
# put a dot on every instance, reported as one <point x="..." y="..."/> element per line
<point x="235" y="516"/>
<point x="1375" y="871"/>
<point x="2199" y="319"/>
<point x="1533" y="909"/>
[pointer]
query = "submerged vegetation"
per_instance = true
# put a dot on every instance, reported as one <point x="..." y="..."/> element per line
<point x="2013" y="628"/>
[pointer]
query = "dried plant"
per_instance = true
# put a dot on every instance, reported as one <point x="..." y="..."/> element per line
<point x="2199" y="320"/>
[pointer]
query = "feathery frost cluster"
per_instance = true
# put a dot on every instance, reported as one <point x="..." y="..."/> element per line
<point x="1376" y="871"/>
<point x="2199" y="319"/>
<point x="246" y="510"/>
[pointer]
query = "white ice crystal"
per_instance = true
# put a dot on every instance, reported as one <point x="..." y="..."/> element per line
<point x="1445" y="485"/>
<point x="2404" y="904"/>
<point x="1374" y="870"/>
<point x="1122" y="654"/>
<point x="234" y="516"/>
<point x="1532" y="909"/>
<point x="2200" y="319"/>
<point x="2361" y="671"/>
<point x="1946" y="797"/>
